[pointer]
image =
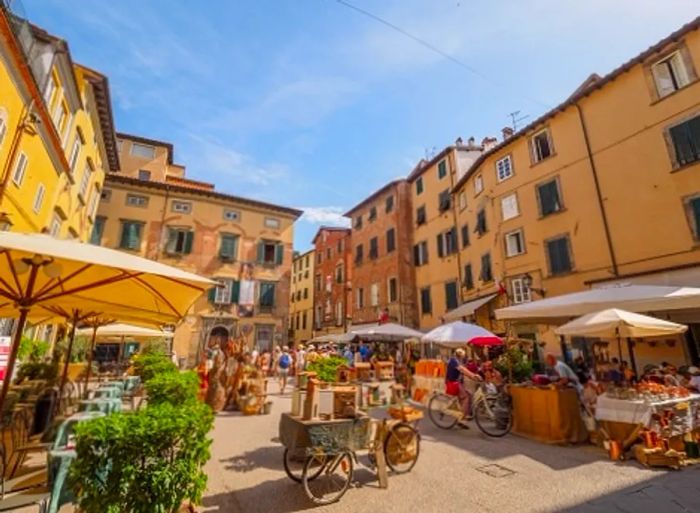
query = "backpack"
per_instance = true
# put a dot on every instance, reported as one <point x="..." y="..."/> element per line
<point x="284" y="361"/>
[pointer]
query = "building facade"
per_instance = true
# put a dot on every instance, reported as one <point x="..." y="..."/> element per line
<point x="437" y="236"/>
<point x="152" y="209"/>
<point x="383" y="282"/>
<point x="583" y="197"/>
<point x="332" y="280"/>
<point x="301" y="300"/>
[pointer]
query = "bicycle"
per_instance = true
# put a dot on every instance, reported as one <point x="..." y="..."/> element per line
<point x="491" y="409"/>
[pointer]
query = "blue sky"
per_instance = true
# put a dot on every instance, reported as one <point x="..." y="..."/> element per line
<point x="309" y="104"/>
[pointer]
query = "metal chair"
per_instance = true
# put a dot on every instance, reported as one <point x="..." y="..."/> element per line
<point x="12" y="499"/>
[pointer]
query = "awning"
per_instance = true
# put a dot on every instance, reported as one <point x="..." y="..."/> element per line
<point x="468" y="308"/>
<point x="634" y="298"/>
<point x="615" y="323"/>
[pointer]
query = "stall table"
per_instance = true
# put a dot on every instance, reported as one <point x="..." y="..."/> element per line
<point x="548" y="414"/>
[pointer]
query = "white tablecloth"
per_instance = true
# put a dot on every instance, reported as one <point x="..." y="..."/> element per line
<point x="635" y="412"/>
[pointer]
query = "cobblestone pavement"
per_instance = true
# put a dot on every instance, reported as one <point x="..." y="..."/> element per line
<point x="458" y="471"/>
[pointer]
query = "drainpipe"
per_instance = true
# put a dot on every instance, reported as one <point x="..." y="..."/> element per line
<point x="599" y="195"/>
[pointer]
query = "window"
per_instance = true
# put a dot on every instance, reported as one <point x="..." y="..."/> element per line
<point x="372" y="214"/>
<point x="390" y="240"/>
<point x="548" y="196"/>
<point x="358" y="222"/>
<point x="97" y="230"/>
<point x="74" y="154"/>
<point x="145" y="151"/>
<point x="267" y="296"/>
<point x="307" y="262"/>
<point x="670" y="74"/>
<point x="451" y="300"/>
<point x="481" y="227"/>
<point x="373" y="248"/>
<point x="462" y="200"/>
<point x="144" y="175"/>
<point x="306" y="293"/>
<point x="515" y="243"/>
<point x="339" y="274"/>
<point x="541" y="146"/>
<point x="56" y="222"/>
<point x="504" y="168"/>
<point x="272" y="222"/>
<point x="223" y="294"/>
<point x="181" y="207"/>
<point x="339" y="313"/>
<point x="685" y="138"/>
<point x="426" y="304"/>
<point x="228" y="250"/>
<point x="468" y="277"/>
<point x="393" y="290"/>
<point x="521" y="294"/>
<point x="59" y="117"/>
<point x="442" y="169"/>
<point x="374" y="294"/>
<point x="20" y="169"/>
<point x="50" y="90"/>
<point x="317" y="282"/>
<point x="303" y="321"/>
<point x="3" y="127"/>
<point x="486" y="273"/>
<point x="39" y="198"/>
<point x="232" y="215"/>
<point x="106" y="195"/>
<point x="420" y="215"/>
<point x="558" y="255"/>
<point x="341" y="246"/>
<point x="131" y="235"/>
<point x="478" y="184"/>
<point x="419" y="185"/>
<point x="465" y="236"/>
<point x="94" y="202"/>
<point x="319" y="257"/>
<point x="420" y="254"/>
<point x="447" y="242"/>
<point x="270" y="252"/>
<point x="134" y="200"/>
<point x="444" y="200"/>
<point x="359" y="253"/>
<point x="179" y="241"/>
<point x="509" y="206"/>
<point x="329" y="253"/>
<point x="693" y="210"/>
<point x="389" y="204"/>
<point x="319" y="316"/>
<point x="360" y="298"/>
<point x="298" y="320"/>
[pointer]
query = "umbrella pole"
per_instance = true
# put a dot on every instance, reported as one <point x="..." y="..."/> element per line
<point x="21" y="321"/>
<point x="64" y="376"/>
<point x="90" y="358"/>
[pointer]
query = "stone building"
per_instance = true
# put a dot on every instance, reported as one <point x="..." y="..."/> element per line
<point x="332" y="280"/>
<point x="301" y="300"/>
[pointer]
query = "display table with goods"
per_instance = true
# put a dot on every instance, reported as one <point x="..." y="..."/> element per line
<point x="663" y="421"/>
<point x="548" y="414"/>
<point x="330" y="421"/>
<point x="428" y="379"/>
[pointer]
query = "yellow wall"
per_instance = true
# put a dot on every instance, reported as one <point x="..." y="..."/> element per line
<point x="302" y="279"/>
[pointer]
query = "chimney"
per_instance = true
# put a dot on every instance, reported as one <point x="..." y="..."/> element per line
<point x="459" y="141"/>
<point x="471" y="141"/>
<point x="507" y="132"/>
<point x="488" y="143"/>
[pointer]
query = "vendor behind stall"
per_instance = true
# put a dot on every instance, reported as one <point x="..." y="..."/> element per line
<point x="560" y="372"/>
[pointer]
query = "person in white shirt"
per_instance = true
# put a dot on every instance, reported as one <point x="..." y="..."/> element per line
<point x="694" y="382"/>
<point x="301" y="359"/>
<point x="561" y="373"/>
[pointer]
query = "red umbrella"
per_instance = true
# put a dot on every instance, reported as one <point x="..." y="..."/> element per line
<point x="486" y="341"/>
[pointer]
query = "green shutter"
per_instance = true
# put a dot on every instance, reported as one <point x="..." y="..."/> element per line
<point x="235" y="291"/>
<point x="261" y="252"/>
<point x="172" y="240"/>
<point x="211" y="294"/>
<point x="279" y="254"/>
<point x="124" y="242"/>
<point x="134" y="236"/>
<point x="229" y="244"/>
<point x="189" y="238"/>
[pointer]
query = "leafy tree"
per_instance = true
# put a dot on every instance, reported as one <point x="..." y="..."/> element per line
<point x="176" y="388"/>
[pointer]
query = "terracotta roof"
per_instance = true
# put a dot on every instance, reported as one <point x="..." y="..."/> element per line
<point x="329" y="229"/>
<point x="100" y="86"/>
<point x="152" y="142"/>
<point x="120" y="179"/>
<point x="374" y="196"/>
<point x="582" y="92"/>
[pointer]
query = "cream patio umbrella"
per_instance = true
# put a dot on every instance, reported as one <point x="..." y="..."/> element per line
<point x="40" y="275"/>
<point x="614" y="323"/>
<point x="458" y="334"/>
<point x="390" y="332"/>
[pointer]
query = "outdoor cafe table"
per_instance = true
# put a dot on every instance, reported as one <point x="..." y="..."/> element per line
<point x="106" y="405"/>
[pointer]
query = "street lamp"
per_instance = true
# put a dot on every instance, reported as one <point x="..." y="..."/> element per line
<point x="527" y="282"/>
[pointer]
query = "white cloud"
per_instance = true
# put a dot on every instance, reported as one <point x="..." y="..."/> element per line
<point x="330" y="216"/>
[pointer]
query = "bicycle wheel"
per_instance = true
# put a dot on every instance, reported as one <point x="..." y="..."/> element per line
<point x="294" y="465"/>
<point x="402" y="447"/>
<point x="333" y="480"/>
<point x="441" y="410"/>
<point x="494" y="416"/>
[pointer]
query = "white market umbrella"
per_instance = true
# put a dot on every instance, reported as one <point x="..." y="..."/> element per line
<point x="616" y="323"/>
<point x="41" y="275"/>
<point x="125" y="330"/>
<point x="390" y="332"/>
<point x="458" y="334"/>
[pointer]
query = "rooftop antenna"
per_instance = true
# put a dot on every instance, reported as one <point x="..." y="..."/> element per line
<point x="516" y="118"/>
<point x="430" y="153"/>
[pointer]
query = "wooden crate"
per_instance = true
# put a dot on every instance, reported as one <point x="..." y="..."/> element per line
<point x="344" y="401"/>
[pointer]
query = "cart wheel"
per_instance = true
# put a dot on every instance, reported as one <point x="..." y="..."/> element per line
<point x="332" y="482"/>
<point x="402" y="447"/>
<point x="294" y="465"/>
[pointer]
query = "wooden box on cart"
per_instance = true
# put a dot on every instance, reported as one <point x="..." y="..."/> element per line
<point x="384" y="371"/>
<point x="344" y="401"/>
<point x="364" y="371"/>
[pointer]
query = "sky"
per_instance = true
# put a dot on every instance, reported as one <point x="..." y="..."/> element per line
<point x="313" y="105"/>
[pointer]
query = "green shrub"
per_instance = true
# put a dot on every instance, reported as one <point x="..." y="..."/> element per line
<point x="38" y="370"/>
<point x="517" y="361"/>
<point x="176" y="388"/>
<point x="325" y="367"/>
<point x="148" y="365"/>
<point x="142" y="462"/>
<point x="32" y="350"/>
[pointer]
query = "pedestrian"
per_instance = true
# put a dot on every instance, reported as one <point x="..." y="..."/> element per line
<point x="560" y="372"/>
<point x="301" y="359"/>
<point x="349" y="357"/>
<point x="264" y="362"/>
<point x="283" y="364"/>
<point x="364" y="351"/>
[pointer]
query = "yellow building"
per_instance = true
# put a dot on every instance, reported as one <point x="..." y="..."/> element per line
<point x="603" y="188"/>
<point x="436" y="237"/>
<point x="152" y="209"/>
<point x="56" y="134"/>
<point x="301" y="300"/>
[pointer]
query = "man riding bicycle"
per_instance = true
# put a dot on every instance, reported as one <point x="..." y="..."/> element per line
<point x="454" y="381"/>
